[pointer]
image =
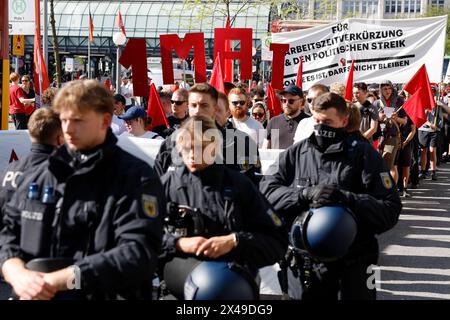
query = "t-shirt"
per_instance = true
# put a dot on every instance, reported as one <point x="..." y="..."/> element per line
<point x="15" y="93"/>
<point x="368" y="113"/>
<point x="127" y="92"/>
<point x="286" y="127"/>
<point x="251" y="127"/>
<point x="118" y="125"/>
<point x="147" y="135"/>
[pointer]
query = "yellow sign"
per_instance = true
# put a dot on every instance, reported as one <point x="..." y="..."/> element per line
<point x="18" y="45"/>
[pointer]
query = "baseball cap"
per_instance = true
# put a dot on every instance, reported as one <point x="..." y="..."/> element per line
<point x="119" y="98"/>
<point x="133" y="113"/>
<point x="293" y="90"/>
<point x="385" y="82"/>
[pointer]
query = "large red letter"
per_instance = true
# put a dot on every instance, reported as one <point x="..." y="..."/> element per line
<point x="221" y="35"/>
<point x="279" y="52"/>
<point x="182" y="48"/>
<point x="135" y="55"/>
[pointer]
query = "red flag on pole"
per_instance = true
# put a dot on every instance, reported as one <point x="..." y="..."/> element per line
<point x="349" y="86"/>
<point x="91" y="28"/>
<point x="420" y="80"/>
<point x="273" y="103"/>
<point x="120" y="24"/>
<point x="155" y="110"/>
<point x="41" y="82"/>
<point x="217" y="76"/>
<point x="299" y="81"/>
<point x="228" y="72"/>
<point x="415" y="108"/>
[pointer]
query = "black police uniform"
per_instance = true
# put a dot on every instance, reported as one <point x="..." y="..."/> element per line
<point x="12" y="174"/>
<point x="370" y="193"/>
<point x="227" y="202"/>
<point x="247" y="162"/>
<point x="105" y="214"/>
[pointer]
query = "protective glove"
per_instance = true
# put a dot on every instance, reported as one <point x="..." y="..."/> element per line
<point x="323" y="195"/>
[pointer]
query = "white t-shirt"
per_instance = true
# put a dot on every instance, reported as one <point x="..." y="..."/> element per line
<point x="304" y="130"/>
<point x="251" y="127"/>
<point x="147" y="134"/>
<point x="118" y="125"/>
<point x="127" y="92"/>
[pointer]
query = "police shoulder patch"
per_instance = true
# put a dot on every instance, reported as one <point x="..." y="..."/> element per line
<point x="275" y="218"/>
<point x="150" y="205"/>
<point x="386" y="180"/>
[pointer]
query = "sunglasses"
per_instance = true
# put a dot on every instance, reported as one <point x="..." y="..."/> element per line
<point x="289" y="101"/>
<point x="258" y="100"/>
<point x="258" y="115"/>
<point x="178" y="103"/>
<point x="25" y="80"/>
<point x="237" y="103"/>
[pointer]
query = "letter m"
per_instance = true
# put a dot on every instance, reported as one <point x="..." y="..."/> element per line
<point x="171" y="42"/>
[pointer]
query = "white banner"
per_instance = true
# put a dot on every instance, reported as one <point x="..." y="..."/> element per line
<point x="18" y="142"/>
<point x="21" y="17"/>
<point x="391" y="49"/>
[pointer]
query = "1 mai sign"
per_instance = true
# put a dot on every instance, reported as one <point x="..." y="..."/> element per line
<point x="134" y="56"/>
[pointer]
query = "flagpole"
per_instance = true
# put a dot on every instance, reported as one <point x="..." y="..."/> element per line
<point x="89" y="43"/>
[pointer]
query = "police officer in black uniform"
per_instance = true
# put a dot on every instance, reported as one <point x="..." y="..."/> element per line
<point x="44" y="128"/>
<point x="239" y="152"/>
<point x="92" y="205"/>
<point x="332" y="167"/>
<point x="224" y="215"/>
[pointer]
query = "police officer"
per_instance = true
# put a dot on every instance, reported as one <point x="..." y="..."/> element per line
<point x="333" y="167"/>
<point x="240" y="152"/>
<point x="44" y="128"/>
<point x="91" y="203"/>
<point x="228" y="219"/>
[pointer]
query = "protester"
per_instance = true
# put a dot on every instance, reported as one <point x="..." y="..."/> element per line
<point x="136" y="121"/>
<point x="17" y="103"/>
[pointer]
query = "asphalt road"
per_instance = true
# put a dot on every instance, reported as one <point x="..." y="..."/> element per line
<point x="415" y="255"/>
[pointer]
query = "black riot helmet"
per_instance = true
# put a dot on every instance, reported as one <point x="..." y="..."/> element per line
<point x="326" y="233"/>
<point x="218" y="280"/>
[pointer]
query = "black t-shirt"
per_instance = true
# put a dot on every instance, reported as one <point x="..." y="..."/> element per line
<point x="286" y="126"/>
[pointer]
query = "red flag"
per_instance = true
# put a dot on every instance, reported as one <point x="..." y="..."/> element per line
<point x="13" y="156"/>
<point x="120" y="24"/>
<point x="420" y="80"/>
<point x="299" y="81"/>
<point x="415" y="108"/>
<point x="349" y="86"/>
<point x="91" y="28"/>
<point x="228" y="63"/>
<point x="273" y="103"/>
<point x="41" y="82"/>
<point x="155" y="109"/>
<point x="108" y="84"/>
<point x="216" y="76"/>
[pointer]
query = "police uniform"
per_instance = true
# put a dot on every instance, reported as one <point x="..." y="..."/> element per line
<point x="105" y="214"/>
<point x="246" y="162"/>
<point x="228" y="203"/>
<point x="359" y="171"/>
<point x="11" y="176"/>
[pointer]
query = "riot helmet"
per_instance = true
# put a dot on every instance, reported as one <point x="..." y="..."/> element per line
<point x="218" y="280"/>
<point x="326" y="233"/>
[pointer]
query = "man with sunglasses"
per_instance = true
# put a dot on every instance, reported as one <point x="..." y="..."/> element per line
<point x="281" y="129"/>
<point x="179" y="113"/>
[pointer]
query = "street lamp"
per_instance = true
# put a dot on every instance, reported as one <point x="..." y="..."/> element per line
<point x="119" y="40"/>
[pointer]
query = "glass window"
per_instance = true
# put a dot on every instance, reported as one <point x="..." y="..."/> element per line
<point x="102" y="7"/>
<point x="109" y="21"/>
<point x="134" y="9"/>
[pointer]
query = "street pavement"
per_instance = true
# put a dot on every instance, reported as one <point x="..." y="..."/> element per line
<point x="415" y="255"/>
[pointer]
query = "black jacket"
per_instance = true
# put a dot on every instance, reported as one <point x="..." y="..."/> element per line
<point x="230" y="203"/>
<point x="106" y="216"/>
<point x="355" y="166"/>
<point x="240" y="153"/>
<point x="13" y="173"/>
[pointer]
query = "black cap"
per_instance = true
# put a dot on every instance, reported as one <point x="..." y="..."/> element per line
<point x="293" y="90"/>
<point x="119" y="98"/>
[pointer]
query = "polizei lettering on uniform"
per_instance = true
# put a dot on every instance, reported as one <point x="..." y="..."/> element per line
<point x="31" y="215"/>
<point x="193" y="310"/>
<point x="325" y="133"/>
